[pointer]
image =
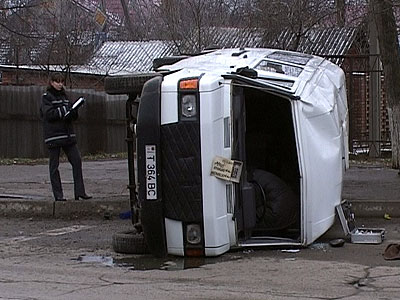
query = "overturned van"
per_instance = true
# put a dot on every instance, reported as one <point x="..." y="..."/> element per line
<point x="235" y="148"/>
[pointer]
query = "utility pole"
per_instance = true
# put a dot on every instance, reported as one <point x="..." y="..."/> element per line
<point x="340" y="12"/>
<point x="374" y="92"/>
<point x="127" y="20"/>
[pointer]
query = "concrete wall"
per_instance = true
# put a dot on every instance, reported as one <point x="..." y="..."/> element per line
<point x="100" y="127"/>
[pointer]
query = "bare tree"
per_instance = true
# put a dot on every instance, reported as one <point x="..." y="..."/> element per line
<point x="48" y="33"/>
<point x="341" y="12"/>
<point x="127" y="18"/>
<point x="383" y="14"/>
<point x="294" y="17"/>
<point x="190" y="23"/>
<point x="141" y="19"/>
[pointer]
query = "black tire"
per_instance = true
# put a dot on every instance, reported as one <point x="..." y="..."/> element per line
<point x="129" y="242"/>
<point x="127" y="84"/>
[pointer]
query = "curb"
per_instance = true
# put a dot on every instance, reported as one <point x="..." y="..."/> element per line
<point x="95" y="208"/>
<point x="375" y="208"/>
<point x="113" y="206"/>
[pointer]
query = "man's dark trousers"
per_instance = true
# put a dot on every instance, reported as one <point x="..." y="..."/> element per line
<point x="75" y="160"/>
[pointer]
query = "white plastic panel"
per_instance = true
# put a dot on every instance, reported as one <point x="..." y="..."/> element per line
<point x="212" y="113"/>
<point x="169" y="101"/>
<point x="174" y="235"/>
<point x="169" y="108"/>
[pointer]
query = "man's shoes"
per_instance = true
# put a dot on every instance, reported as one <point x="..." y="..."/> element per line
<point x="84" y="197"/>
<point x="61" y="199"/>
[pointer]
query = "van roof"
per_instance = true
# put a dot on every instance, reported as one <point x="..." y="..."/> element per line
<point x="285" y="69"/>
<point x="231" y="59"/>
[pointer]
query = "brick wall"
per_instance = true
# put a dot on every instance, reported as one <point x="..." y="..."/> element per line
<point x="358" y="112"/>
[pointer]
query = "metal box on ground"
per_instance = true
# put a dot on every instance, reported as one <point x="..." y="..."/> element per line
<point x="358" y="235"/>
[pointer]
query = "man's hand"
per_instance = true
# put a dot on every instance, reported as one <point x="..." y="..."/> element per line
<point x="68" y="116"/>
<point x="71" y="115"/>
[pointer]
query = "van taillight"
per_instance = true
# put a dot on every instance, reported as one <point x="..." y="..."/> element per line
<point x="189" y="84"/>
<point x="194" y="252"/>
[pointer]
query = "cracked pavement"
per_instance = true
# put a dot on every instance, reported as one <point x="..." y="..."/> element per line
<point x="43" y="259"/>
<point x="73" y="258"/>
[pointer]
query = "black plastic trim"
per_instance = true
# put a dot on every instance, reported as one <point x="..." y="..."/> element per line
<point x="148" y="133"/>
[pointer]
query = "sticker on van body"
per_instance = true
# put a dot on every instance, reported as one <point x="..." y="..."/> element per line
<point x="226" y="169"/>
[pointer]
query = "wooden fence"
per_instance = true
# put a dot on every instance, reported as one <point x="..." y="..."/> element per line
<point x="100" y="127"/>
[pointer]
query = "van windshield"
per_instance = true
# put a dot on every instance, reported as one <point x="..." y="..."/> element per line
<point x="279" y="68"/>
<point x="291" y="57"/>
<point x="287" y="84"/>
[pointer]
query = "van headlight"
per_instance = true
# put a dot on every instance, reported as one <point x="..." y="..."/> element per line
<point x="188" y="106"/>
<point x="193" y="234"/>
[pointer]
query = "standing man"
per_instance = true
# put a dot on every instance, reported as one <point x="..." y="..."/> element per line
<point x="57" y="115"/>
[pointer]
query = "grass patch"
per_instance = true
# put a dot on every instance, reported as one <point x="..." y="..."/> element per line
<point x="105" y="156"/>
<point x="22" y="161"/>
<point x="63" y="158"/>
<point x="364" y="159"/>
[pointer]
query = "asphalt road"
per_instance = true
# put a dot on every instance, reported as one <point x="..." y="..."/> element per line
<point x="372" y="187"/>
<point x="50" y="258"/>
<point x="74" y="259"/>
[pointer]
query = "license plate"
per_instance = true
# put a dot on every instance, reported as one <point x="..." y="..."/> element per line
<point x="151" y="172"/>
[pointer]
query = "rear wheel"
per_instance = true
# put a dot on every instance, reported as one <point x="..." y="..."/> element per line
<point x="127" y="84"/>
<point x="129" y="242"/>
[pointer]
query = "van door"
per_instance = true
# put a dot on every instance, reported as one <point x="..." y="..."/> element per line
<point x="268" y="198"/>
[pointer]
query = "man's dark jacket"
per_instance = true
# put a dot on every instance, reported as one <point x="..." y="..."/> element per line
<point x="57" y="122"/>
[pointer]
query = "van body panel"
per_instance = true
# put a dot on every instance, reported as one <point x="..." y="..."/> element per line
<point x="290" y="124"/>
<point x="216" y="232"/>
<point x="217" y="251"/>
<point x="322" y="138"/>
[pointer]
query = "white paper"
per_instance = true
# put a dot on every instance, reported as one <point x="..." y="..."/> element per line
<point x="78" y="103"/>
<point x="226" y="169"/>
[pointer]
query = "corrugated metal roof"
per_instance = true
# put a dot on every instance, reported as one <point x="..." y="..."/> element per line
<point x="135" y="57"/>
<point x="238" y="37"/>
<point x="123" y="57"/>
<point x="221" y="37"/>
<point x="320" y="41"/>
<point x="129" y="57"/>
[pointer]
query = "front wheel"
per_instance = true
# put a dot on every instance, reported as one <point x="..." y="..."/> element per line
<point x="127" y="84"/>
<point x="129" y="242"/>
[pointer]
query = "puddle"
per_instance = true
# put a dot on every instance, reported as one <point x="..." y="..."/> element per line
<point x="168" y="264"/>
<point x="104" y="260"/>
<point x="147" y="262"/>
